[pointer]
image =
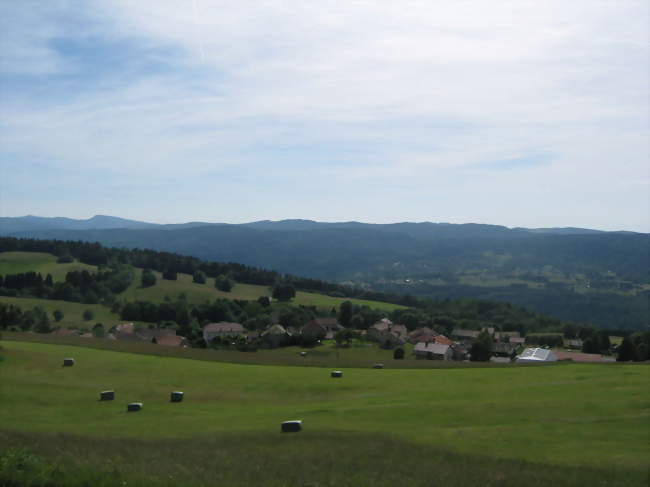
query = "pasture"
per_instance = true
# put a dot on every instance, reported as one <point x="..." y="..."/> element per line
<point x="19" y="262"/>
<point x="73" y="312"/>
<point x="580" y="424"/>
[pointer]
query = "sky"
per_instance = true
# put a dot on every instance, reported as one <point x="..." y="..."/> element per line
<point x="518" y="113"/>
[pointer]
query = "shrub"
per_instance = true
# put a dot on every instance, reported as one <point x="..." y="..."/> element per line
<point x="88" y="315"/>
<point x="398" y="354"/>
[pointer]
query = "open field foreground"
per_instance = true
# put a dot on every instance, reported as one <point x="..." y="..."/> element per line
<point x="553" y="425"/>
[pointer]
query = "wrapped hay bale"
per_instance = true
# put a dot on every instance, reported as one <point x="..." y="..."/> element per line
<point x="378" y="366"/>
<point x="336" y="373"/>
<point x="134" y="406"/>
<point x="107" y="395"/>
<point x="68" y="362"/>
<point x="176" y="396"/>
<point x="293" y="426"/>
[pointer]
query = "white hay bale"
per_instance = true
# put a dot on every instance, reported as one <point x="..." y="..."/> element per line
<point x="378" y="366"/>
<point x="68" y="362"/>
<point x="336" y="373"/>
<point x="134" y="406"/>
<point x="176" y="396"/>
<point x="293" y="426"/>
<point x="303" y="354"/>
<point x="107" y="395"/>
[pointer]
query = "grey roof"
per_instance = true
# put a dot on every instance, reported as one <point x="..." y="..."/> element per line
<point x="435" y="348"/>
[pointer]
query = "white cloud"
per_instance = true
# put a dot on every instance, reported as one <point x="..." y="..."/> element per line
<point x="406" y="95"/>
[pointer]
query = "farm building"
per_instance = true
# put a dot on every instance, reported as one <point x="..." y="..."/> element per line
<point x="433" y="351"/>
<point x="222" y="329"/>
<point x="537" y="355"/>
<point x="321" y="328"/>
<point x="275" y="335"/>
<point x="424" y="335"/>
<point x="465" y="335"/>
<point x="385" y="332"/>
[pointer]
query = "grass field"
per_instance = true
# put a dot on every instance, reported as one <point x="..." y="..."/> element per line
<point x="18" y="262"/>
<point x="73" y="312"/>
<point x="15" y="262"/>
<point x="557" y="425"/>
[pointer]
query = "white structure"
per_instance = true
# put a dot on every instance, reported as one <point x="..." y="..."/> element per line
<point x="537" y="355"/>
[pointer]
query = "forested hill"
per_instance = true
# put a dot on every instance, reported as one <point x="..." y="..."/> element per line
<point x="574" y="274"/>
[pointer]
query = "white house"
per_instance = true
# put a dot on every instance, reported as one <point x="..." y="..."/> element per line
<point x="537" y="355"/>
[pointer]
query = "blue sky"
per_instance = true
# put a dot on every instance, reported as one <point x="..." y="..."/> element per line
<point x="519" y="113"/>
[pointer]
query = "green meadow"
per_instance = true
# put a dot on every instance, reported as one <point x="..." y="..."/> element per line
<point x="73" y="312"/>
<point x="578" y="424"/>
<point x="17" y="262"/>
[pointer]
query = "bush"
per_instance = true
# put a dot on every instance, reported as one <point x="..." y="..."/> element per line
<point x="198" y="277"/>
<point x="88" y="315"/>
<point x="398" y="354"/>
<point x="148" y="278"/>
<point x="223" y="283"/>
<point x="58" y="315"/>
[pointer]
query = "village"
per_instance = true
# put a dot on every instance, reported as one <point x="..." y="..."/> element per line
<point x="422" y="343"/>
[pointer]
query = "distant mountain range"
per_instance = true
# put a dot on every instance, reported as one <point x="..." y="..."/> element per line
<point x="30" y="223"/>
<point x="573" y="273"/>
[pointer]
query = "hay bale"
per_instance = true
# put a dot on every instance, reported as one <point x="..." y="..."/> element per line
<point x="336" y="373"/>
<point x="68" y="362"/>
<point x="134" y="406"/>
<point x="303" y="354"/>
<point x="293" y="426"/>
<point x="176" y="396"/>
<point x="107" y="395"/>
<point x="378" y="366"/>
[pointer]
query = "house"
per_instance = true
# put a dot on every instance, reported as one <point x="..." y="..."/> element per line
<point x="574" y="343"/>
<point x="125" y="328"/>
<point x="275" y="336"/>
<point x="502" y="349"/>
<point x="505" y="336"/>
<point x="382" y="325"/>
<point x="320" y="328"/>
<point x="433" y="351"/>
<point x="222" y="329"/>
<point x="536" y="355"/>
<point x="388" y="333"/>
<point x="420" y="334"/>
<point x="170" y="340"/>
<point x="464" y="335"/>
<point x="443" y="340"/>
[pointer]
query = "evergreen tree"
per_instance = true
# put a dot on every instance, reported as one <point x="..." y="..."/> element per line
<point x="148" y="278"/>
<point x="345" y="313"/>
<point x="223" y="283"/>
<point x="481" y="349"/>
<point x="626" y="351"/>
<point x="284" y="291"/>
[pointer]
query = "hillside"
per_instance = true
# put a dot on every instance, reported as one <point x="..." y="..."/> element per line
<point x="574" y="274"/>
<point x="163" y="290"/>
<point x="371" y="427"/>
